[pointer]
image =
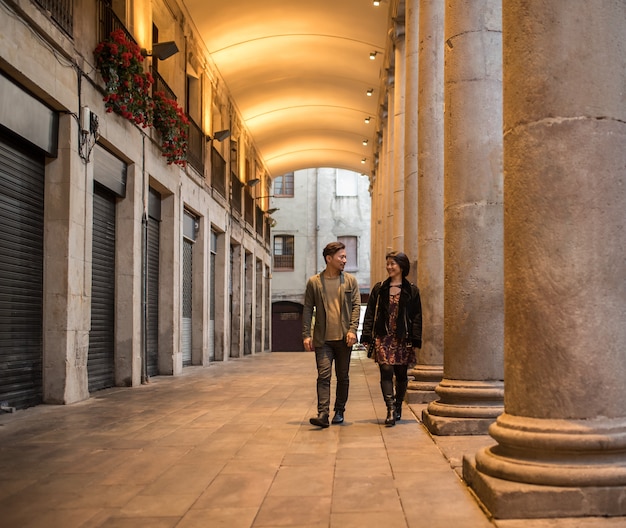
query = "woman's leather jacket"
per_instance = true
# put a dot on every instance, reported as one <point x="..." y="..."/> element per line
<point x="409" y="321"/>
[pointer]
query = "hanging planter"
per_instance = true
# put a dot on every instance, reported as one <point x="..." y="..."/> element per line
<point x="120" y="63"/>
<point x="173" y="125"/>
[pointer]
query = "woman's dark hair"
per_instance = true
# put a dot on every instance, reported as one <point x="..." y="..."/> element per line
<point x="402" y="260"/>
<point x="332" y="248"/>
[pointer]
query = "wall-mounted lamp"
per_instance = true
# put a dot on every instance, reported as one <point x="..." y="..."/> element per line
<point x="376" y="3"/>
<point x="221" y="135"/>
<point x="367" y="120"/>
<point x="365" y="142"/>
<point x="272" y="210"/>
<point x="370" y="91"/>
<point x="253" y="182"/>
<point x="267" y="196"/>
<point x="363" y="160"/>
<point x="373" y="55"/>
<point x="161" y="50"/>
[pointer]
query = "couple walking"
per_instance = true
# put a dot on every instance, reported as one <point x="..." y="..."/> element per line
<point x="392" y="327"/>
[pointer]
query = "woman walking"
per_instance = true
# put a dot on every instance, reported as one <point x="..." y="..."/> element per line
<point x="392" y="328"/>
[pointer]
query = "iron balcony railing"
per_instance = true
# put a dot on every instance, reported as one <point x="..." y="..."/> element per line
<point x="283" y="261"/>
<point x="108" y="21"/>
<point x="236" y="188"/>
<point x="195" y="147"/>
<point x="61" y="11"/>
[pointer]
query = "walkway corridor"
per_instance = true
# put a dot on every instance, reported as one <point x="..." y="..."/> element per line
<point x="230" y="445"/>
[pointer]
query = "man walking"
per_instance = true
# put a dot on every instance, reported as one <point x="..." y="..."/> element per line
<point x="337" y="302"/>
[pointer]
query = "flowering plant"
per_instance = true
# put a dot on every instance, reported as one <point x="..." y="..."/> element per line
<point x="173" y="125"/>
<point x="127" y="85"/>
<point x="119" y="61"/>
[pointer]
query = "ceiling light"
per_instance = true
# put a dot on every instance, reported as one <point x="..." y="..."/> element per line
<point x="370" y="92"/>
<point x="373" y="55"/>
<point x="368" y="119"/>
<point x="365" y="142"/>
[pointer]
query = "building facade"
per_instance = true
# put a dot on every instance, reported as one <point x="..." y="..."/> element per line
<point x="314" y="207"/>
<point x="117" y="263"/>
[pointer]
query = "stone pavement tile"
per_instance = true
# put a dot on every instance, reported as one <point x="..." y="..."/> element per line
<point x="184" y="436"/>
<point x="358" y="468"/>
<point x="455" y="448"/>
<point x="571" y="522"/>
<point x="309" y="481"/>
<point x="294" y="511"/>
<point x="145" y="465"/>
<point x="366" y="494"/>
<point x="108" y="519"/>
<point x="320" y="460"/>
<point x="161" y="505"/>
<point x="368" y="520"/>
<point x="441" y="498"/>
<point x="183" y="479"/>
<point x="217" y="518"/>
<point x="246" y="489"/>
<point x="9" y="485"/>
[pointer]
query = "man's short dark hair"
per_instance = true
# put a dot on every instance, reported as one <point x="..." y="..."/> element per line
<point x="332" y="248"/>
<point x="401" y="259"/>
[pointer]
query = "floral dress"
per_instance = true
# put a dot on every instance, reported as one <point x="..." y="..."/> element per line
<point x="389" y="350"/>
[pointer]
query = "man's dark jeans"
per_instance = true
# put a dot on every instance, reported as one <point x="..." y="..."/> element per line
<point x="338" y="352"/>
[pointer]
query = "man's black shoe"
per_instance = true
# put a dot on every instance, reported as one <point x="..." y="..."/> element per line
<point x="321" y="420"/>
<point x="338" y="418"/>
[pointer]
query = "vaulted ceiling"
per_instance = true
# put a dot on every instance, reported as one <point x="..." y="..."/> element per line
<point x="298" y="72"/>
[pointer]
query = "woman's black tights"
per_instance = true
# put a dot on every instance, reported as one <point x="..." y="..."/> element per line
<point x="386" y="380"/>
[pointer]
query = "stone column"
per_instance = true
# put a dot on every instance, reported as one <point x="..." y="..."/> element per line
<point x="411" y="62"/>
<point x="561" y="443"/>
<point x="397" y="242"/>
<point x="471" y="392"/>
<point x="389" y="144"/>
<point x="429" y="370"/>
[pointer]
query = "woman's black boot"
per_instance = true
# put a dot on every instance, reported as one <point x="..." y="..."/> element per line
<point x="386" y="386"/>
<point x="400" y="393"/>
<point x="390" y="421"/>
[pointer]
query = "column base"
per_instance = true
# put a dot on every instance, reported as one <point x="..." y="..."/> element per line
<point x="465" y="407"/>
<point x="425" y="380"/>
<point x="455" y="425"/>
<point x="506" y="499"/>
<point x="417" y="394"/>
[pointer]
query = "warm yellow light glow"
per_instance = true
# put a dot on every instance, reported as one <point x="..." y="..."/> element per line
<point x="142" y="23"/>
<point x="376" y="3"/>
<point x="370" y="92"/>
<point x="368" y="119"/>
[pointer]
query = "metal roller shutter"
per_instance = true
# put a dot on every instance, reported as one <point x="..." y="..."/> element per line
<point x="152" y="282"/>
<point x="21" y="275"/>
<point x="187" y="300"/>
<point x="101" y="361"/>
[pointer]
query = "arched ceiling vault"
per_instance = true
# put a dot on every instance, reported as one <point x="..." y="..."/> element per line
<point x="298" y="73"/>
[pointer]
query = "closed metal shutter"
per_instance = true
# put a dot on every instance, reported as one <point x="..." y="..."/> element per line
<point x="153" y="297"/>
<point x="101" y="360"/>
<point x="187" y="300"/>
<point x="21" y="275"/>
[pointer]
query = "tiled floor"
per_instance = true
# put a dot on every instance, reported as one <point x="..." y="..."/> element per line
<point x="230" y="445"/>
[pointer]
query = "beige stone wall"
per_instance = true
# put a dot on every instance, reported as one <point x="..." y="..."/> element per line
<point x="60" y="71"/>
